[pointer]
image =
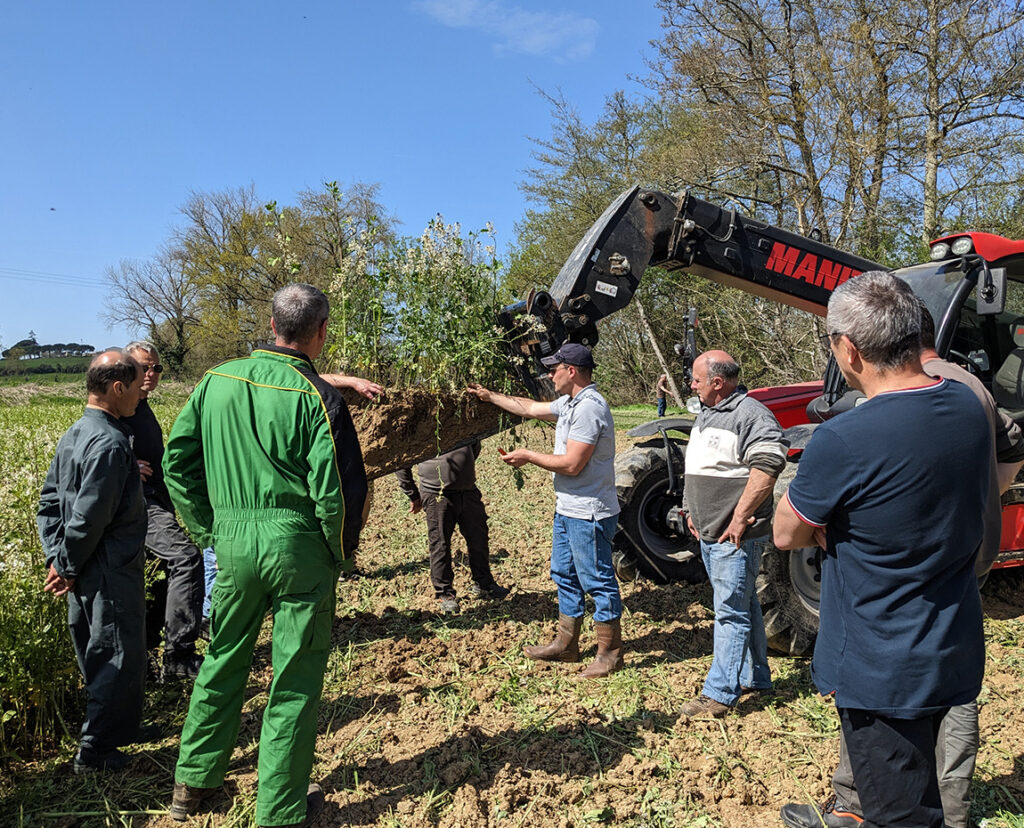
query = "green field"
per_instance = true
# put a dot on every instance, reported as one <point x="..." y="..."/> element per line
<point x="40" y="370"/>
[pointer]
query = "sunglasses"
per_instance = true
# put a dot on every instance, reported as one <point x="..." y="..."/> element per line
<point x="156" y="369"/>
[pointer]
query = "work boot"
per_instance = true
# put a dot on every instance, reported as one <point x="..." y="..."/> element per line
<point x="91" y="761"/>
<point x="148" y="733"/>
<point x="182" y="665"/>
<point x="829" y="814"/>
<point x="566" y="645"/>
<point x="609" y="650"/>
<point x="187" y="800"/>
<point x="703" y="706"/>
<point x="495" y="591"/>
<point x="314" y="805"/>
<point x="448" y="605"/>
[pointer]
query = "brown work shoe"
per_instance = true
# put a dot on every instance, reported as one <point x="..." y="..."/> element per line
<point x="564" y="647"/>
<point x="703" y="706"/>
<point x="187" y="800"/>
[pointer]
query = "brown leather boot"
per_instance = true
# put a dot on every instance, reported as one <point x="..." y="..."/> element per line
<point x="609" y="650"/>
<point x="187" y="801"/>
<point x="566" y="645"/>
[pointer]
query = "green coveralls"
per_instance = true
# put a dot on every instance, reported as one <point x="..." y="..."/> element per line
<point x="252" y="468"/>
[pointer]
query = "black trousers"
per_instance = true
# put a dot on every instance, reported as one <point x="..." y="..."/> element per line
<point x="444" y="512"/>
<point x="894" y="769"/>
<point x="106" y="616"/>
<point x="177" y="605"/>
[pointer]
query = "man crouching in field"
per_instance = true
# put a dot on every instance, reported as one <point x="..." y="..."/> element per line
<point x="586" y="505"/>
<point x="92" y="523"/>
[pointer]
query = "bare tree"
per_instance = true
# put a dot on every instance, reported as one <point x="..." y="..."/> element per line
<point x="856" y="117"/>
<point x="965" y="92"/>
<point x="158" y="297"/>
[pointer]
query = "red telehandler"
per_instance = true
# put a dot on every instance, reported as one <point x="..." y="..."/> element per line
<point x="973" y="285"/>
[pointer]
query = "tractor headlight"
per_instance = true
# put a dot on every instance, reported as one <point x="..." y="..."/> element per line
<point x="962" y="245"/>
<point x="939" y="251"/>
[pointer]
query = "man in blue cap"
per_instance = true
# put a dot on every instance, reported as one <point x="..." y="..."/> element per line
<point x="586" y="505"/>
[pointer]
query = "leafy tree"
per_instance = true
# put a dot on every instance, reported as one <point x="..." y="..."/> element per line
<point x="205" y="296"/>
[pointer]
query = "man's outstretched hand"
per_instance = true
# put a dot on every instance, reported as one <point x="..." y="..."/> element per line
<point x="363" y="387"/>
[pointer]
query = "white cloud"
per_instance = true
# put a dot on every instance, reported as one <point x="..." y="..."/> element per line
<point x="563" y="36"/>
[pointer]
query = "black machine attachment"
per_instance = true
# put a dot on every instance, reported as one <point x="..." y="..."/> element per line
<point x="645" y="228"/>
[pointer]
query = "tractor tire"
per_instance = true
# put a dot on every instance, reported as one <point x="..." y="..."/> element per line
<point x="789" y="590"/>
<point x="644" y="543"/>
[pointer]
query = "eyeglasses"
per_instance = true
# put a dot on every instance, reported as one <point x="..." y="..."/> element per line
<point x="826" y="340"/>
<point x="156" y="369"/>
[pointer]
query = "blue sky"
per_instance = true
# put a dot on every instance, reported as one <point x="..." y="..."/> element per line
<point x="111" y="113"/>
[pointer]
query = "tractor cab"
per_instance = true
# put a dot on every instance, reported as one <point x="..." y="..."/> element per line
<point x="974" y="288"/>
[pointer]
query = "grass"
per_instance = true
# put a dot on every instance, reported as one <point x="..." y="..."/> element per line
<point x="629" y="416"/>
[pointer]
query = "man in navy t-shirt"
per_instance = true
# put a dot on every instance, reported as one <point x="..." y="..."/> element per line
<point x="894" y="491"/>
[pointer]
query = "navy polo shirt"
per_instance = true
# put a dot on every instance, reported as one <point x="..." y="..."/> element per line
<point x="900" y="482"/>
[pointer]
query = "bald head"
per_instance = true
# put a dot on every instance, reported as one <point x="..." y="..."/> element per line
<point x="715" y="376"/>
<point x="114" y="382"/>
<point x="109" y="367"/>
<point x="720" y="364"/>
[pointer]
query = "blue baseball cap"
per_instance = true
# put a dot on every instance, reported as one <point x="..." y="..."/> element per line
<point x="571" y="353"/>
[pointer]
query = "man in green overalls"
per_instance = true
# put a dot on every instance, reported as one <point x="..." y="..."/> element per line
<point x="264" y="464"/>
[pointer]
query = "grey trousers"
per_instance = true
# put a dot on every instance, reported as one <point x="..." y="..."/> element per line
<point x="106" y="616"/>
<point x="955" y="752"/>
<point x="182" y="610"/>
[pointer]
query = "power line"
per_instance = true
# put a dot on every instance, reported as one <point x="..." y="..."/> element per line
<point x="42" y="277"/>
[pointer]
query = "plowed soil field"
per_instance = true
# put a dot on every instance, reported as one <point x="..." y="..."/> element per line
<point x="432" y="720"/>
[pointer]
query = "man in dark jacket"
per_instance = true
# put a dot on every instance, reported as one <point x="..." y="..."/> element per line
<point x="178" y="604"/>
<point x="92" y="523"/>
<point x="449" y="497"/>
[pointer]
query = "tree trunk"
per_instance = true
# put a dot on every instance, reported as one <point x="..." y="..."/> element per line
<point x="933" y="133"/>
<point x="648" y="331"/>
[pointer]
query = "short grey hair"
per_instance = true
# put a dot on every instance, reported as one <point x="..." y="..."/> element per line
<point x="143" y="345"/>
<point x="299" y="310"/>
<point x="727" y="369"/>
<point x="881" y="315"/>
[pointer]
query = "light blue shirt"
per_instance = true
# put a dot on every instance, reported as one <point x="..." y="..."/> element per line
<point x="586" y="418"/>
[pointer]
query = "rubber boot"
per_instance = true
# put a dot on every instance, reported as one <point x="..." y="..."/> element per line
<point x="609" y="650"/>
<point x="566" y="645"/>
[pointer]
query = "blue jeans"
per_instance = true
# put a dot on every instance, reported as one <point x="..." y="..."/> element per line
<point x="581" y="562"/>
<point x="741" y="651"/>
<point x="210" y="574"/>
<point x="662" y="403"/>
